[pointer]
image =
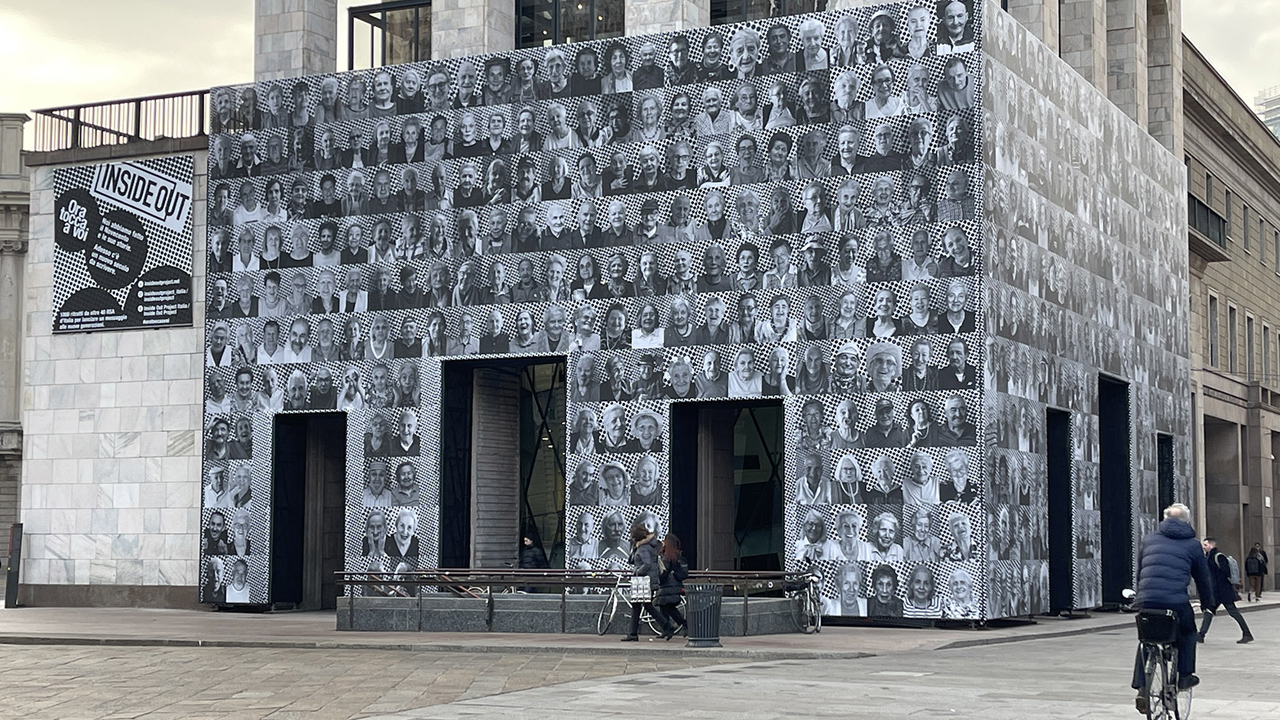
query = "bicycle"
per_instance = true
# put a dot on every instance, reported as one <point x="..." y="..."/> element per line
<point x="1160" y="697"/>
<point x="806" y="607"/>
<point x="621" y="595"/>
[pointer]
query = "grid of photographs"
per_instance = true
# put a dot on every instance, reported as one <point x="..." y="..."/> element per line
<point x="789" y="208"/>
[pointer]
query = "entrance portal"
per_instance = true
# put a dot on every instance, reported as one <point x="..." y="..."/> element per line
<point x="308" y="506"/>
<point x="1115" y="485"/>
<point x="726" y="484"/>
<point x="502" y="469"/>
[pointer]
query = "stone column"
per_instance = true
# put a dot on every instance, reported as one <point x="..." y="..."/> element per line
<point x="1164" y="73"/>
<point x="645" y="17"/>
<point x="294" y="38"/>
<point x="1038" y="16"/>
<point x="1127" y="57"/>
<point x="15" y="201"/>
<point x="1083" y="38"/>
<point x="472" y="27"/>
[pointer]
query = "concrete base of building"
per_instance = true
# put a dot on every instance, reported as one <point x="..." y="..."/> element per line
<point x="137" y="596"/>
<point x="536" y="613"/>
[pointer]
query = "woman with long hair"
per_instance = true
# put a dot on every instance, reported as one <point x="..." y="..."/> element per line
<point x="644" y="563"/>
<point x="435" y="344"/>
<point x="671" y="576"/>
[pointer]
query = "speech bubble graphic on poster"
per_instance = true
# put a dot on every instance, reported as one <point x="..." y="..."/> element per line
<point x="124" y="242"/>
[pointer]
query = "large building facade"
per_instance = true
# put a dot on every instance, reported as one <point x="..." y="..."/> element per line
<point x="1008" y="222"/>
<point x="1233" y="181"/>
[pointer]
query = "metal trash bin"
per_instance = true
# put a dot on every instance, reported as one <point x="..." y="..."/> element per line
<point x="703" y="608"/>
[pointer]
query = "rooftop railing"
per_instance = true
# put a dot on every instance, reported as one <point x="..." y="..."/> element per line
<point x="116" y="122"/>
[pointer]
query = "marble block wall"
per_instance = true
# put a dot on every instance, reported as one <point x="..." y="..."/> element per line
<point x="111" y="471"/>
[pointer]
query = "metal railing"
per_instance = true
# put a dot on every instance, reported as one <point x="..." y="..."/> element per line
<point x="1206" y="221"/>
<point x="115" y="122"/>
<point x="482" y="584"/>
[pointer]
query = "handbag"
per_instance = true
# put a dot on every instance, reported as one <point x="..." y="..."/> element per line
<point x="641" y="589"/>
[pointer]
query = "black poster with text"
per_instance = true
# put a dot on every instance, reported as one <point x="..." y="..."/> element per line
<point x="123" y="236"/>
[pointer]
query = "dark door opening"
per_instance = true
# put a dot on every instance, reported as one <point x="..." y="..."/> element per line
<point x="503" y="461"/>
<point x="1060" y="499"/>
<point x="726" y="484"/>
<point x="1115" y="496"/>
<point x="308" y="510"/>
<point x="1166" y="489"/>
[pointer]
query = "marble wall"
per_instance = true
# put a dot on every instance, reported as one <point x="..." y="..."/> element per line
<point x="110" y="478"/>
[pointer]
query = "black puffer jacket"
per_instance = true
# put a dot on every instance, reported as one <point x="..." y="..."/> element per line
<point x="671" y="582"/>
<point x="644" y="559"/>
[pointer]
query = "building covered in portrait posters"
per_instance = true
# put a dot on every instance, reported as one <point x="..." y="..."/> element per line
<point x="889" y="291"/>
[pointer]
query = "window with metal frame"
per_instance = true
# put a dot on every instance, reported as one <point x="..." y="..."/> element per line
<point x="733" y="11"/>
<point x="399" y="31"/>
<point x="553" y="22"/>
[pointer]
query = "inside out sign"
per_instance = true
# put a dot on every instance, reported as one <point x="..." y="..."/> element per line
<point x="160" y="198"/>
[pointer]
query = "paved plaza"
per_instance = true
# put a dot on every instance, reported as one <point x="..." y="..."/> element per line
<point x="1036" y="672"/>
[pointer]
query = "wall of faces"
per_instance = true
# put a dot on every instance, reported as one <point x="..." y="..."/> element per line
<point x="787" y="208"/>
<point x="1087" y="275"/>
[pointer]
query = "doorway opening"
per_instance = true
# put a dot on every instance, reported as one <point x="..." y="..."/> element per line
<point x="308" y="510"/>
<point x="727" y="491"/>
<point x="1115" y="496"/>
<point x="1166" y="489"/>
<point x="503" y="461"/>
<point x="1060" y="500"/>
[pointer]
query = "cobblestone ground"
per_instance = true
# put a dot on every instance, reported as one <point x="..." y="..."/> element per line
<point x="52" y="682"/>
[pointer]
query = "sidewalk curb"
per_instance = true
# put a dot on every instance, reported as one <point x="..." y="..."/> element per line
<point x="1128" y="623"/>
<point x="727" y="653"/>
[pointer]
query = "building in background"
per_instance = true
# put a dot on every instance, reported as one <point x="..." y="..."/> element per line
<point x="15" y="201"/>
<point x="1267" y="105"/>
<point x="1233" y="182"/>
<point x="1084" y="330"/>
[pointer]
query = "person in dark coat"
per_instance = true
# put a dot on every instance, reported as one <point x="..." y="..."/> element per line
<point x="1255" y="568"/>
<point x="1169" y="559"/>
<point x="532" y="557"/>
<point x="644" y="562"/>
<point x="671" y="577"/>
<point x="1223" y="591"/>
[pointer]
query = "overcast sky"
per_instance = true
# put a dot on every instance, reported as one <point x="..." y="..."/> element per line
<point x="66" y="52"/>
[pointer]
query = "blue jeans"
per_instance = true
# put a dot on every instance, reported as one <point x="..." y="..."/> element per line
<point x="1186" y="644"/>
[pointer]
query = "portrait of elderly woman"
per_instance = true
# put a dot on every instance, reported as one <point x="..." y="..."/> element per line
<point x="920" y="544"/>
<point x="883" y="532"/>
<point x="646" y="432"/>
<point x="647" y="488"/>
<point x="920" y="486"/>
<point x="814" y="545"/>
<point x="962" y="604"/>
<point x="922" y="594"/>
<point x="849" y="603"/>
<point x="404" y="543"/>
<point x="884" y="600"/>
<point x="614" y="485"/>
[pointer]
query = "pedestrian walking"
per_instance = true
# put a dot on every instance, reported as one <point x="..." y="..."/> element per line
<point x="671" y="577"/>
<point x="1255" y="568"/>
<point x="644" y="563"/>
<point x="1223" y="590"/>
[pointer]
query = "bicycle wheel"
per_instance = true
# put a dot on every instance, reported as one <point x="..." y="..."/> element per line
<point x="650" y="622"/>
<point x="1154" y="689"/>
<point x="815" y="609"/>
<point x="1178" y="701"/>
<point x="607" y="611"/>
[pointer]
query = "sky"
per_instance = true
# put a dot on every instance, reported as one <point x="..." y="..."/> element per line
<point x="68" y="52"/>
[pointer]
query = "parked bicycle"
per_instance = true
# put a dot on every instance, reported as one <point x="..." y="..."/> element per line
<point x="620" y="597"/>
<point x="806" y="606"/>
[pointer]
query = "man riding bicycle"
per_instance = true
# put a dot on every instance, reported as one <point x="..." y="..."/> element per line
<point x="1170" y="558"/>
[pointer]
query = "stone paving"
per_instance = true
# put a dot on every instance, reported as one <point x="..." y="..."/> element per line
<point x="1084" y="676"/>
<point x="1041" y="676"/>
<point x="99" y="683"/>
